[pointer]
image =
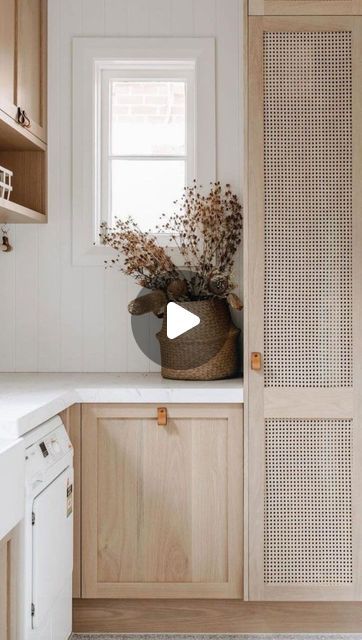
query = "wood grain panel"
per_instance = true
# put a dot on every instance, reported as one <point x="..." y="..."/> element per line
<point x="308" y="403"/>
<point x="117" y="517"/>
<point x="7" y="56"/>
<point x="8" y="621"/>
<point x="162" y="506"/>
<point x="305" y="7"/>
<point x="218" y="616"/>
<point x="209" y="463"/>
<point x="31" y="62"/>
<point x="166" y="535"/>
<point x="29" y="180"/>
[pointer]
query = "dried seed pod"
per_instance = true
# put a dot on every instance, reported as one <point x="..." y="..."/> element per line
<point x="234" y="301"/>
<point x="177" y="288"/>
<point x="154" y="301"/>
<point x="218" y="283"/>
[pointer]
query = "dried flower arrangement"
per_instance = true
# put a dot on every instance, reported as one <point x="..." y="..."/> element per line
<point x="206" y="229"/>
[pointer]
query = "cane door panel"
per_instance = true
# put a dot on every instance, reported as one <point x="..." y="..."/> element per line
<point x="304" y="242"/>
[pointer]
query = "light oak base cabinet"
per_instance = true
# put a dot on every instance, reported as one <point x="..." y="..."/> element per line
<point x="7" y="587"/>
<point x="162" y="505"/>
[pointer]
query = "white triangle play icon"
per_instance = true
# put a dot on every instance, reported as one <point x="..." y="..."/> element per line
<point x="179" y="320"/>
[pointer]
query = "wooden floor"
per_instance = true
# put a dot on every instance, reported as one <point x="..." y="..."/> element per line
<point x="217" y="616"/>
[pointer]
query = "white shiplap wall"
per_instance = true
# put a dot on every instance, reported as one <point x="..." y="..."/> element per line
<point x="57" y="317"/>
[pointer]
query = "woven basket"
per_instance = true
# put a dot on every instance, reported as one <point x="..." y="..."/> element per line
<point x="207" y="352"/>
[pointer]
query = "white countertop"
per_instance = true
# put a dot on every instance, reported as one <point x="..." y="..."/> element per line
<point x="28" y="399"/>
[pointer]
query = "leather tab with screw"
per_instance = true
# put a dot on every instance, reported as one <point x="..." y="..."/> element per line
<point x="255" y="361"/>
<point x="161" y="416"/>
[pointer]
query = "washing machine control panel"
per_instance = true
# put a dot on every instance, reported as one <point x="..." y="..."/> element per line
<point x="45" y="452"/>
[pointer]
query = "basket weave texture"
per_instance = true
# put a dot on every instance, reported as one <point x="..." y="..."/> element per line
<point x="207" y="352"/>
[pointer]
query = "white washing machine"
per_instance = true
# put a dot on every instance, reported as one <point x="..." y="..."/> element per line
<point x="46" y="536"/>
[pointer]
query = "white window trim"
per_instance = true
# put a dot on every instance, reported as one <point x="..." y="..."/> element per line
<point x="90" y="55"/>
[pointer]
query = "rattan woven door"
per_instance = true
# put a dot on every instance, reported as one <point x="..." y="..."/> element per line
<point x="305" y="288"/>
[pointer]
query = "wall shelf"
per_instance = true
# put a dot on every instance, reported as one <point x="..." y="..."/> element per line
<point x="15" y="138"/>
<point x="11" y="212"/>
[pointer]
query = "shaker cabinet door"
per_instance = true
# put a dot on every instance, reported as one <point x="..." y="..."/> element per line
<point x="23" y="62"/>
<point x="8" y="40"/>
<point x="162" y="505"/>
<point x="31" y="63"/>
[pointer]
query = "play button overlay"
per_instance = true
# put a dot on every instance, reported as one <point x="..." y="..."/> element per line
<point x="179" y="331"/>
<point x="179" y="320"/>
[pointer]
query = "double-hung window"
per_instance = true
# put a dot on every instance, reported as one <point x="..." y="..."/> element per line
<point x="143" y="128"/>
<point x="147" y="139"/>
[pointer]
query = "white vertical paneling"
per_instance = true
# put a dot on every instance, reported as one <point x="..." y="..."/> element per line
<point x="93" y="17"/>
<point x="49" y="260"/>
<point x="26" y="298"/>
<point x="182" y="17"/>
<point x="116" y="17"/>
<point x="7" y="307"/>
<point x="115" y="321"/>
<point x="205" y="17"/>
<point x="49" y="298"/>
<point x="228" y="96"/>
<point x="137" y="17"/>
<point x="71" y="277"/>
<point x="93" y="320"/>
<point x="53" y="315"/>
<point x="159" y="19"/>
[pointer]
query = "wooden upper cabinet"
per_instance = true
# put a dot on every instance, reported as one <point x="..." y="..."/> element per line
<point x="162" y="505"/>
<point x="8" y="57"/>
<point x="23" y="62"/>
<point x="31" y="63"/>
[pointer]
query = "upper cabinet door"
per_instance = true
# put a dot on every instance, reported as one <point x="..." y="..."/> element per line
<point x="31" y="63"/>
<point x="305" y="288"/>
<point x="23" y="62"/>
<point x="8" y="39"/>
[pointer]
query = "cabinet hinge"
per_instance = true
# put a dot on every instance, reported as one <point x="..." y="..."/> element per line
<point x="32" y="609"/>
<point x="33" y="518"/>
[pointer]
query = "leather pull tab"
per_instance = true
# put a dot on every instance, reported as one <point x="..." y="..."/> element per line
<point x="255" y="361"/>
<point x="161" y="416"/>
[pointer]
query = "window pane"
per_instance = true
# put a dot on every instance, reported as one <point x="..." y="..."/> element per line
<point x="148" y="118"/>
<point x="144" y="189"/>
